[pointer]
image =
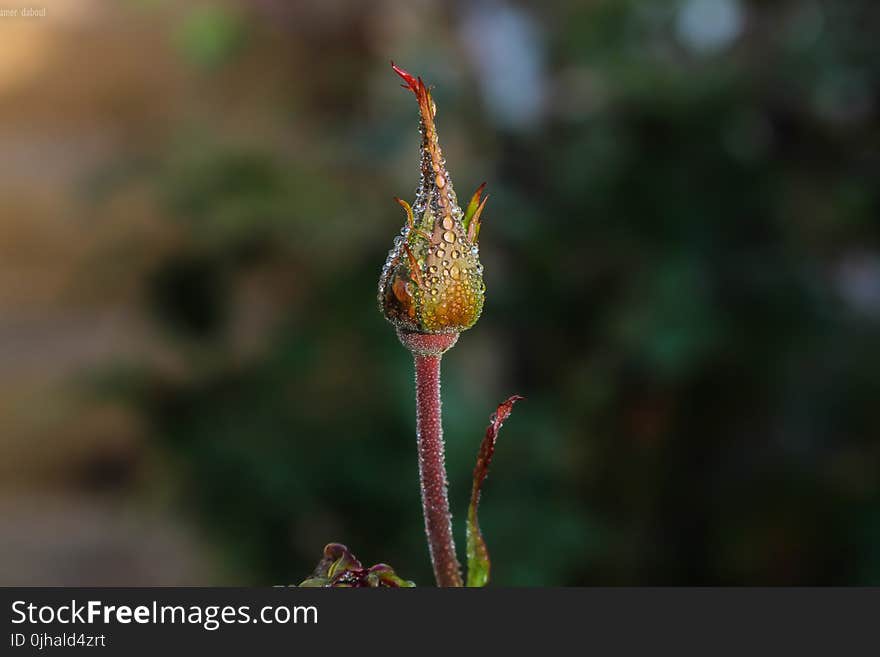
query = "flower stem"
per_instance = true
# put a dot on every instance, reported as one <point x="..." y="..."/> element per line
<point x="432" y="471"/>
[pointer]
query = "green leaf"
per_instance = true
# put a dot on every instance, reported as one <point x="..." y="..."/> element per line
<point x="383" y="575"/>
<point x="339" y="568"/>
<point x="477" y="552"/>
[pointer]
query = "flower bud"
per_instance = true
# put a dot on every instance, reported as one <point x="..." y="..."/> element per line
<point x="432" y="281"/>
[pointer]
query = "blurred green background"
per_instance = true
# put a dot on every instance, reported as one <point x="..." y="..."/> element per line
<point x="682" y="256"/>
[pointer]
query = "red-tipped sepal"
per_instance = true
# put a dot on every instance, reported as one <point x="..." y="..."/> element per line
<point x="412" y="83"/>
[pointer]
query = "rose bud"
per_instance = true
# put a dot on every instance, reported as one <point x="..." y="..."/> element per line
<point x="432" y="281"/>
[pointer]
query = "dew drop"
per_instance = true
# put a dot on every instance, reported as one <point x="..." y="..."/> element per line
<point x="447" y="222"/>
<point x="449" y="236"/>
<point x="440" y="180"/>
<point x="456" y="255"/>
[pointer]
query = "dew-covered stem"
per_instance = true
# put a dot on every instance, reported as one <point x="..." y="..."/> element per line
<point x="432" y="471"/>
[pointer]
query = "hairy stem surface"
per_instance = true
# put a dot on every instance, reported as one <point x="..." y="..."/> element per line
<point x="432" y="471"/>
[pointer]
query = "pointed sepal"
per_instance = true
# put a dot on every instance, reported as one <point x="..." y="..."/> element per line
<point x="471" y="219"/>
<point x="472" y="205"/>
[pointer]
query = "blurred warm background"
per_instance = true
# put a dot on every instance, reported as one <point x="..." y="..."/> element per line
<point x="682" y="254"/>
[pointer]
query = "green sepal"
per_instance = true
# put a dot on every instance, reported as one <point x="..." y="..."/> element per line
<point x="472" y="206"/>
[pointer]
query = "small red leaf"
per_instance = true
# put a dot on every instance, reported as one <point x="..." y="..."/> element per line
<point x="477" y="552"/>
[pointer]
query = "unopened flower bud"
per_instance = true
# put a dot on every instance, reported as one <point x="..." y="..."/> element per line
<point x="432" y="281"/>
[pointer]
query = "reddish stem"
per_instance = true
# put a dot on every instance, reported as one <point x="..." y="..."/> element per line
<point x="432" y="471"/>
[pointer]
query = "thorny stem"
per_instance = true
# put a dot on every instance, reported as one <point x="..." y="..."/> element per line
<point x="432" y="471"/>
